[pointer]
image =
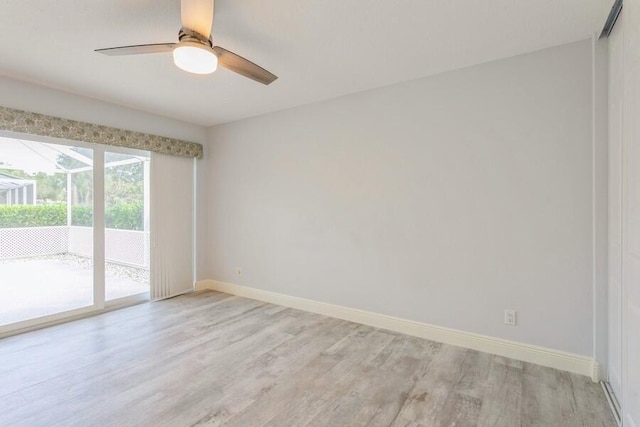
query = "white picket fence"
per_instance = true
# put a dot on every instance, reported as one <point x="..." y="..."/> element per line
<point x="121" y="246"/>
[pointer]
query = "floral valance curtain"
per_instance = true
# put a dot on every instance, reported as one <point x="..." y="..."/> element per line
<point x="13" y="120"/>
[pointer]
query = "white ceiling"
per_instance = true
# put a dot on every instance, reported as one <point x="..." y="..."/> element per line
<point x="320" y="49"/>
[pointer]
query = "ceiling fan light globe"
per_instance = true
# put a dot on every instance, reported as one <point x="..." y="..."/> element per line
<point x="194" y="58"/>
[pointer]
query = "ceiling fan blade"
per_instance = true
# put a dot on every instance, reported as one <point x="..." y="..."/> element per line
<point x="197" y="15"/>
<point x="238" y="64"/>
<point x="137" y="49"/>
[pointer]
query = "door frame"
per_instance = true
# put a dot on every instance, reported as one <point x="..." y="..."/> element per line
<point x="100" y="305"/>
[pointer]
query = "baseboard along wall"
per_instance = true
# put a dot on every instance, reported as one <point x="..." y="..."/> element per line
<point x="564" y="361"/>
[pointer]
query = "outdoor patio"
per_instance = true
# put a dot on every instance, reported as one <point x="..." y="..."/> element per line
<point x="47" y="227"/>
<point x="43" y="285"/>
<point x="48" y="270"/>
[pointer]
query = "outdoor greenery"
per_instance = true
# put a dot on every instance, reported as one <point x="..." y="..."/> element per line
<point x="123" y="188"/>
<point x="122" y="184"/>
<point x="32" y="215"/>
<point x="82" y="216"/>
<point x="124" y="216"/>
<point x="51" y="188"/>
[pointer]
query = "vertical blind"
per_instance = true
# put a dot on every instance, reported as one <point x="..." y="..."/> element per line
<point x="172" y="225"/>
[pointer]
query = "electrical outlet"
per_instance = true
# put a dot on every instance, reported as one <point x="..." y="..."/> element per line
<point x="238" y="271"/>
<point x="510" y="317"/>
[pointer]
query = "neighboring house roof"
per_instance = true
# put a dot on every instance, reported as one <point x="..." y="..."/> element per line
<point x="9" y="182"/>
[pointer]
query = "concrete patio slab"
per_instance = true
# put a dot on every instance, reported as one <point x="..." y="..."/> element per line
<point x="40" y="286"/>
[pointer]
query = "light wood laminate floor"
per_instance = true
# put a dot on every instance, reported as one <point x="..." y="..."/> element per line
<point x="211" y="359"/>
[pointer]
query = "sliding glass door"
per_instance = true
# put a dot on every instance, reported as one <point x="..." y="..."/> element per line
<point x="126" y="216"/>
<point x="74" y="229"/>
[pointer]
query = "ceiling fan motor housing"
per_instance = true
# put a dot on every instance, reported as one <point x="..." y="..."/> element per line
<point x="187" y="35"/>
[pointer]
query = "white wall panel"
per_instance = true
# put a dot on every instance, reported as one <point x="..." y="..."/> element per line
<point x="616" y="92"/>
<point x="631" y="214"/>
<point x="443" y="200"/>
<point x="625" y="205"/>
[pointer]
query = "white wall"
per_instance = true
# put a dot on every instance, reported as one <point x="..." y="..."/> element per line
<point x="616" y="99"/>
<point x="625" y="211"/>
<point x="600" y="176"/>
<point x="44" y="100"/>
<point x="443" y="200"/>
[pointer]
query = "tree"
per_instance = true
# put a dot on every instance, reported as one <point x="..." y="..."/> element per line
<point x="124" y="184"/>
<point x="81" y="182"/>
<point x="50" y="188"/>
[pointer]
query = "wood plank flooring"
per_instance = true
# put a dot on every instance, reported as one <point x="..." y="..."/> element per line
<point x="211" y="359"/>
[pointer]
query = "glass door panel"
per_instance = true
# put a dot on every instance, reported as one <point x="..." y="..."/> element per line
<point x="126" y="215"/>
<point x="46" y="229"/>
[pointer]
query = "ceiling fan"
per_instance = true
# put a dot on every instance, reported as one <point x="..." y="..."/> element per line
<point x="194" y="51"/>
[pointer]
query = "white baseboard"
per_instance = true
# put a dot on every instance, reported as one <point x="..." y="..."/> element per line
<point x="569" y="362"/>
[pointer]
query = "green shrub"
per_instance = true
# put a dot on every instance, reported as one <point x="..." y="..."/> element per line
<point x="16" y="216"/>
<point x="124" y="216"/>
<point x="82" y="215"/>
